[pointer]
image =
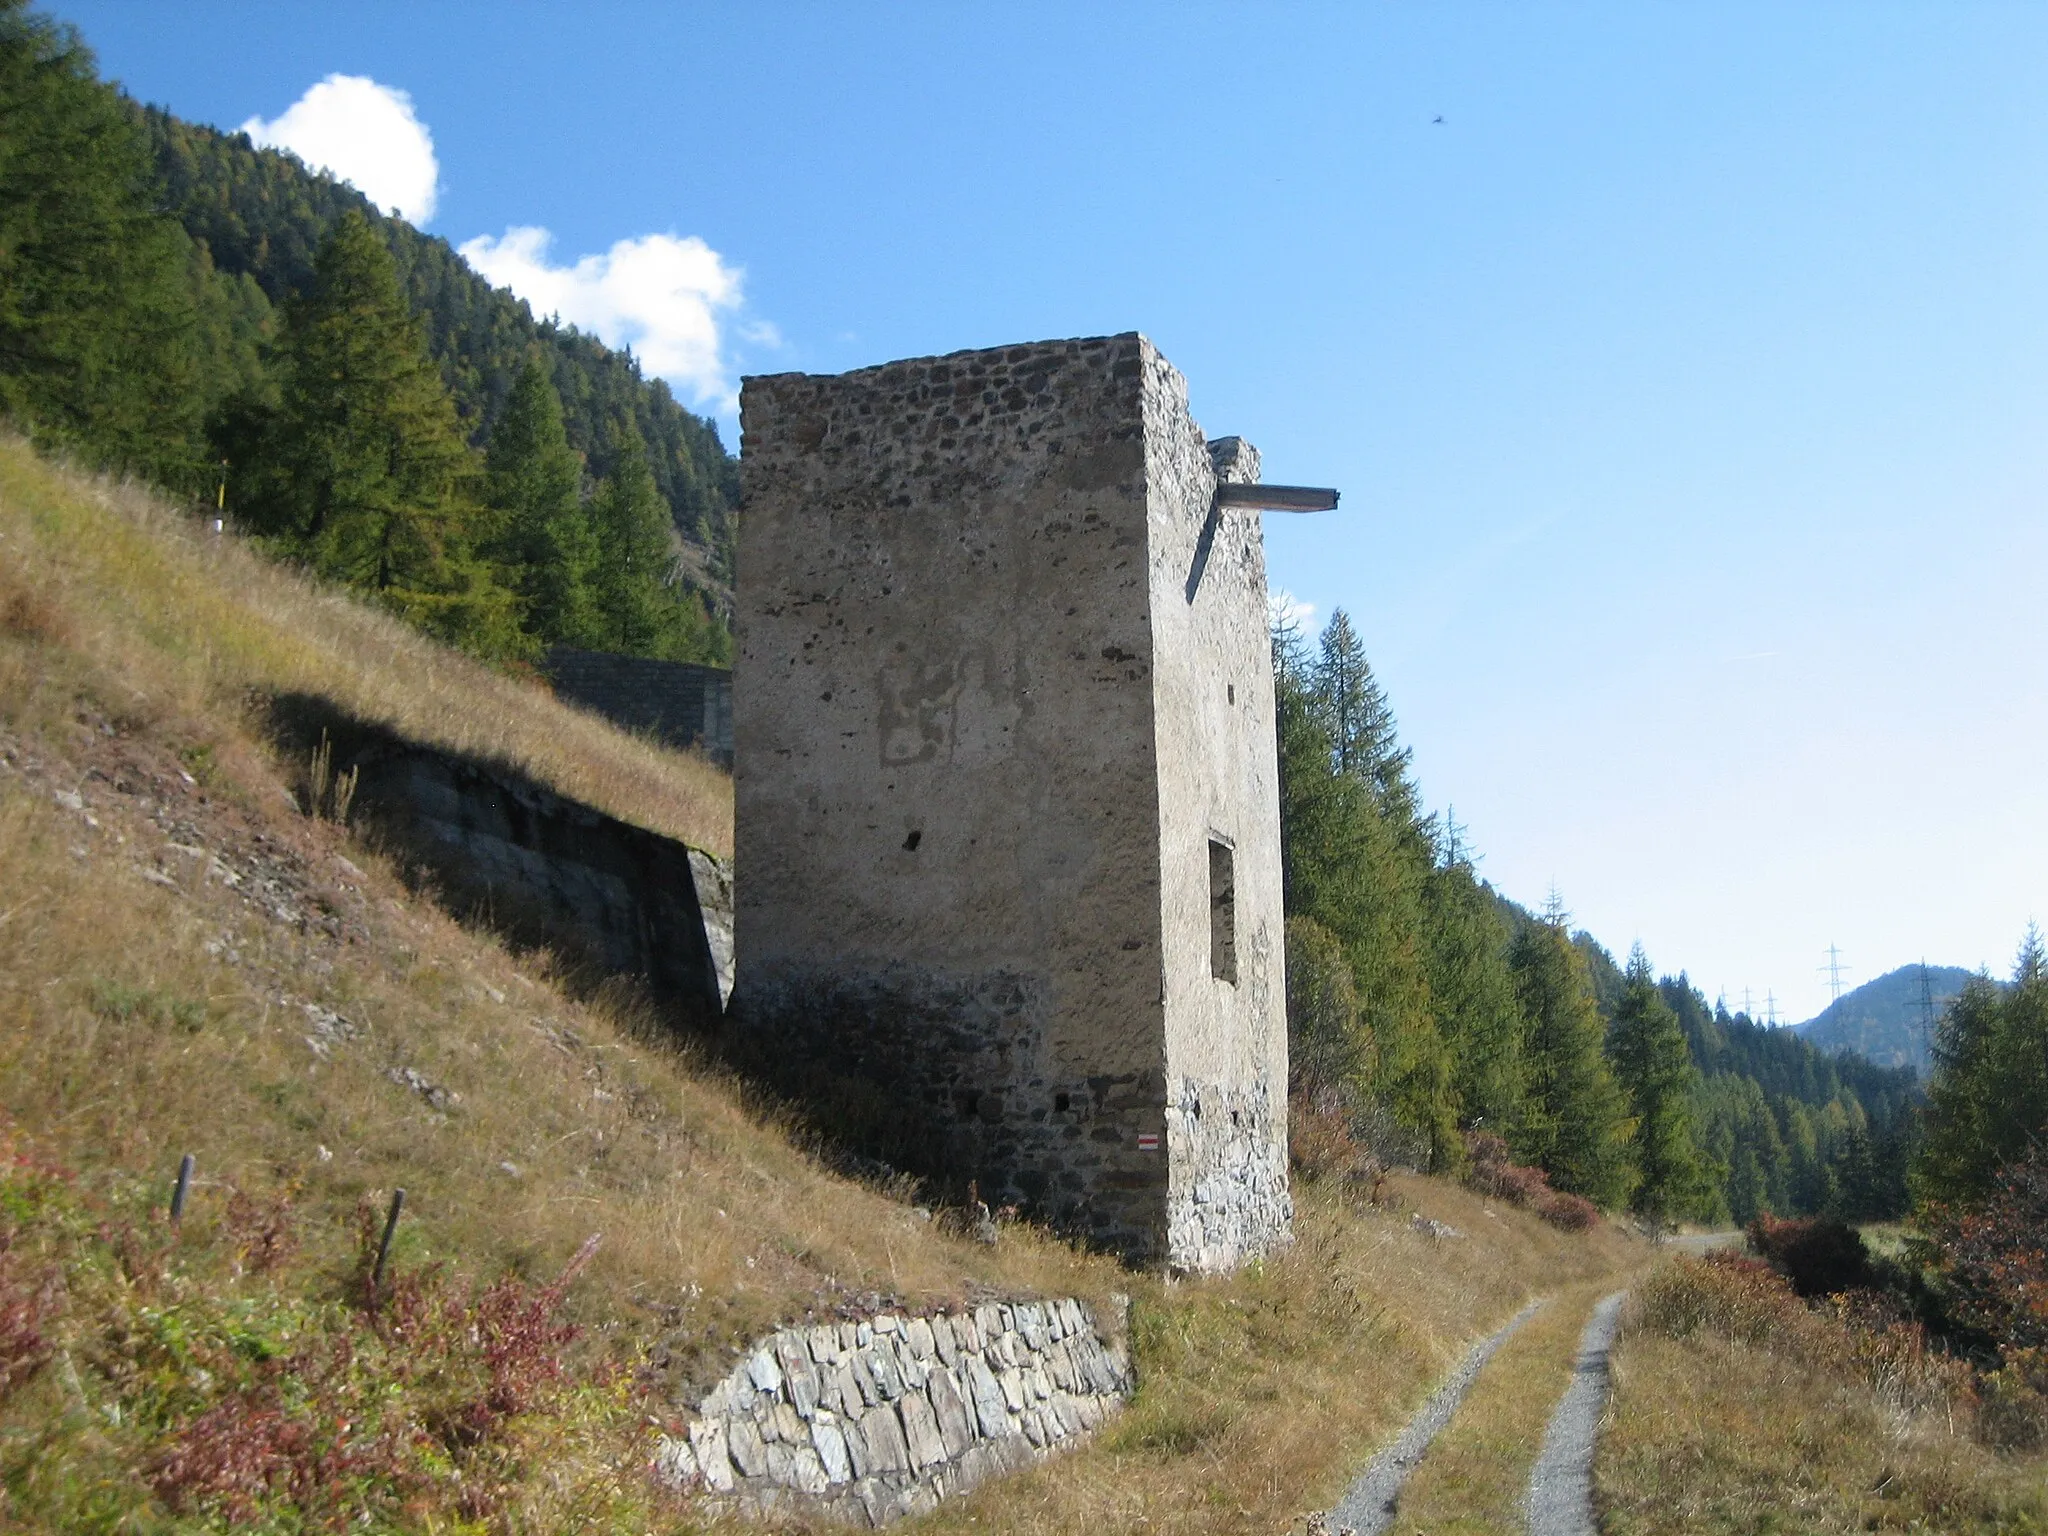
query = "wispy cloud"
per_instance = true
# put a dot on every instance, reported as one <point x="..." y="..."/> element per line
<point x="365" y="134"/>
<point x="665" y="296"/>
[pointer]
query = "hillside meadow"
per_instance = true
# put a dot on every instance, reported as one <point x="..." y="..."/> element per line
<point x="597" y="1215"/>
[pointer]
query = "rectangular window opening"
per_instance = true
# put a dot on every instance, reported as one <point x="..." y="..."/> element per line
<point x="1222" y="911"/>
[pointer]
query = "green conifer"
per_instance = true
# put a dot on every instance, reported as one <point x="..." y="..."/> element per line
<point x="637" y="608"/>
<point x="1575" y="1123"/>
<point x="1987" y="1101"/>
<point x="541" y="537"/>
<point x="364" y="470"/>
<point x="96" y="325"/>
<point x="1472" y="989"/>
<point x="1648" y="1052"/>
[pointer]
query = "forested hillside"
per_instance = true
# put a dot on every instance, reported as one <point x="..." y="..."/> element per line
<point x="260" y="215"/>
<point x="178" y="305"/>
<point x="1440" y="1012"/>
<point x="1891" y="1020"/>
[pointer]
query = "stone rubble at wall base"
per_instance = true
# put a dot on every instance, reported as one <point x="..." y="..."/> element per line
<point x="868" y="1422"/>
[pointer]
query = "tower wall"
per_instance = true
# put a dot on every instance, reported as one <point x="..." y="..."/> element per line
<point x="974" y="795"/>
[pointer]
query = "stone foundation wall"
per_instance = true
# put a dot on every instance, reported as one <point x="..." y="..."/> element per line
<point x="544" y="868"/>
<point x="678" y="702"/>
<point x="867" y="1422"/>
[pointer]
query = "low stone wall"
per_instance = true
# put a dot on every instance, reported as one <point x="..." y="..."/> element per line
<point x="679" y="702"/>
<point x="867" y="1422"/>
<point x="542" y="867"/>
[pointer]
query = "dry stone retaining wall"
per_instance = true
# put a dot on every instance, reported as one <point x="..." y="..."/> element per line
<point x="874" y="1420"/>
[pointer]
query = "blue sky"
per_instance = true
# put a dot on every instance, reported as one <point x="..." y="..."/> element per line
<point x="1686" y="383"/>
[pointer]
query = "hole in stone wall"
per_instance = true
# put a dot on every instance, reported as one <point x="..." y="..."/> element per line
<point x="910" y="843"/>
<point x="969" y="1104"/>
<point x="1230" y="693"/>
<point x="1222" y="911"/>
<point x="1060" y="1102"/>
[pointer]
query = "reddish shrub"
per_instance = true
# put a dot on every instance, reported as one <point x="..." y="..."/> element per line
<point x="1995" y="1257"/>
<point x="1491" y="1170"/>
<point x="1570" y="1213"/>
<point x="264" y="1235"/>
<point x="1320" y="1145"/>
<point x="28" y="1299"/>
<point x="1818" y="1254"/>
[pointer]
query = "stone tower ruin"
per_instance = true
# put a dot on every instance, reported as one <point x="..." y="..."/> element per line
<point x="1008" y="898"/>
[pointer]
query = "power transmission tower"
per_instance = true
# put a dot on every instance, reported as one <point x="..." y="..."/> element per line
<point x="1834" y="970"/>
<point x="1771" y="1009"/>
<point x="1748" y="1007"/>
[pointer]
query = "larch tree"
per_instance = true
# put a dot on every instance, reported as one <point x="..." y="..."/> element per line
<point x="541" y="540"/>
<point x="1647" y="1050"/>
<point x="364" y="473"/>
<point x="637" y="609"/>
<point x="97" y="344"/>
<point x="1472" y="990"/>
<point x="1575" y="1123"/>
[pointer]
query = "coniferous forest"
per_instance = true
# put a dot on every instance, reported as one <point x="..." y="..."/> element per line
<point x="178" y="304"/>
<point x="1453" y="1026"/>
<point x="252" y="336"/>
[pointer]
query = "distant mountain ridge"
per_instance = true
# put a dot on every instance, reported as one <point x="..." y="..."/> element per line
<point x="1891" y="1020"/>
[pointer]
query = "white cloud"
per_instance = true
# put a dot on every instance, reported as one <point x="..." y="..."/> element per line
<point x="661" y="295"/>
<point x="367" y="135"/>
<point x="1284" y="608"/>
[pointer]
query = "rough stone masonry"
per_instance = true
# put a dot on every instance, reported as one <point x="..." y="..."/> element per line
<point x="1008" y="905"/>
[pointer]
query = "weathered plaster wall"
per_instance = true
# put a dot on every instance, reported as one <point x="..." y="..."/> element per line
<point x="870" y="1421"/>
<point x="965" y="902"/>
<point x="946" y="808"/>
<point x="1226" y="1038"/>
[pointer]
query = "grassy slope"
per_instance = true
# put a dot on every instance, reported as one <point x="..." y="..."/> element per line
<point x="1740" y="1409"/>
<point x="188" y="964"/>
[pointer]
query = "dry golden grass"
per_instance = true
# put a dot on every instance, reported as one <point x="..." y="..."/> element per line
<point x="1750" y="1430"/>
<point x="194" y="624"/>
<point x="188" y="964"/>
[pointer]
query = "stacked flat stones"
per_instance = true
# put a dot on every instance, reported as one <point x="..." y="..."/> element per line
<point x="873" y="1420"/>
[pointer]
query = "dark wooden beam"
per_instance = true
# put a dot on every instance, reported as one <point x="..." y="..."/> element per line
<point x="1277" y="498"/>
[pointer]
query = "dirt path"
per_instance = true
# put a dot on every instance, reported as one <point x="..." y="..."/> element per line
<point x="1368" y="1506"/>
<point x="1560" y="1498"/>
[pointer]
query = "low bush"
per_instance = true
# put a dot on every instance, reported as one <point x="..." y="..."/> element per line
<point x="1818" y="1254"/>
<point x="1862" y="1334"/>
<point x="1320" y="1145"/>
<point x="1570" y="1213"/>
<point x="1491" y="1170"/>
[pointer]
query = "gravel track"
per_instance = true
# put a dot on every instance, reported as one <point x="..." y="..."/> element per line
<point x="1560" y="1497"/>
<point x="1368" y="1506"/>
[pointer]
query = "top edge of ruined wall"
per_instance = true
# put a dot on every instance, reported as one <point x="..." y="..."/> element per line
<point x="1018" y="351"/>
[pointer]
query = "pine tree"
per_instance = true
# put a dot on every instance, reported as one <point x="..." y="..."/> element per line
<point x="96" y="324"/>
<point x="1987" y="1101"/>
<point x="1647" y="1050"/>
<point x="1575" y="1124"/>
<point x="541" y="539"/>
<point x="362" y="470"/>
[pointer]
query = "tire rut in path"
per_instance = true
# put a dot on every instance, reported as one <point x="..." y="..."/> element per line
<point x="1367" y="1507"/>
<point x="1560" y="1497"/>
